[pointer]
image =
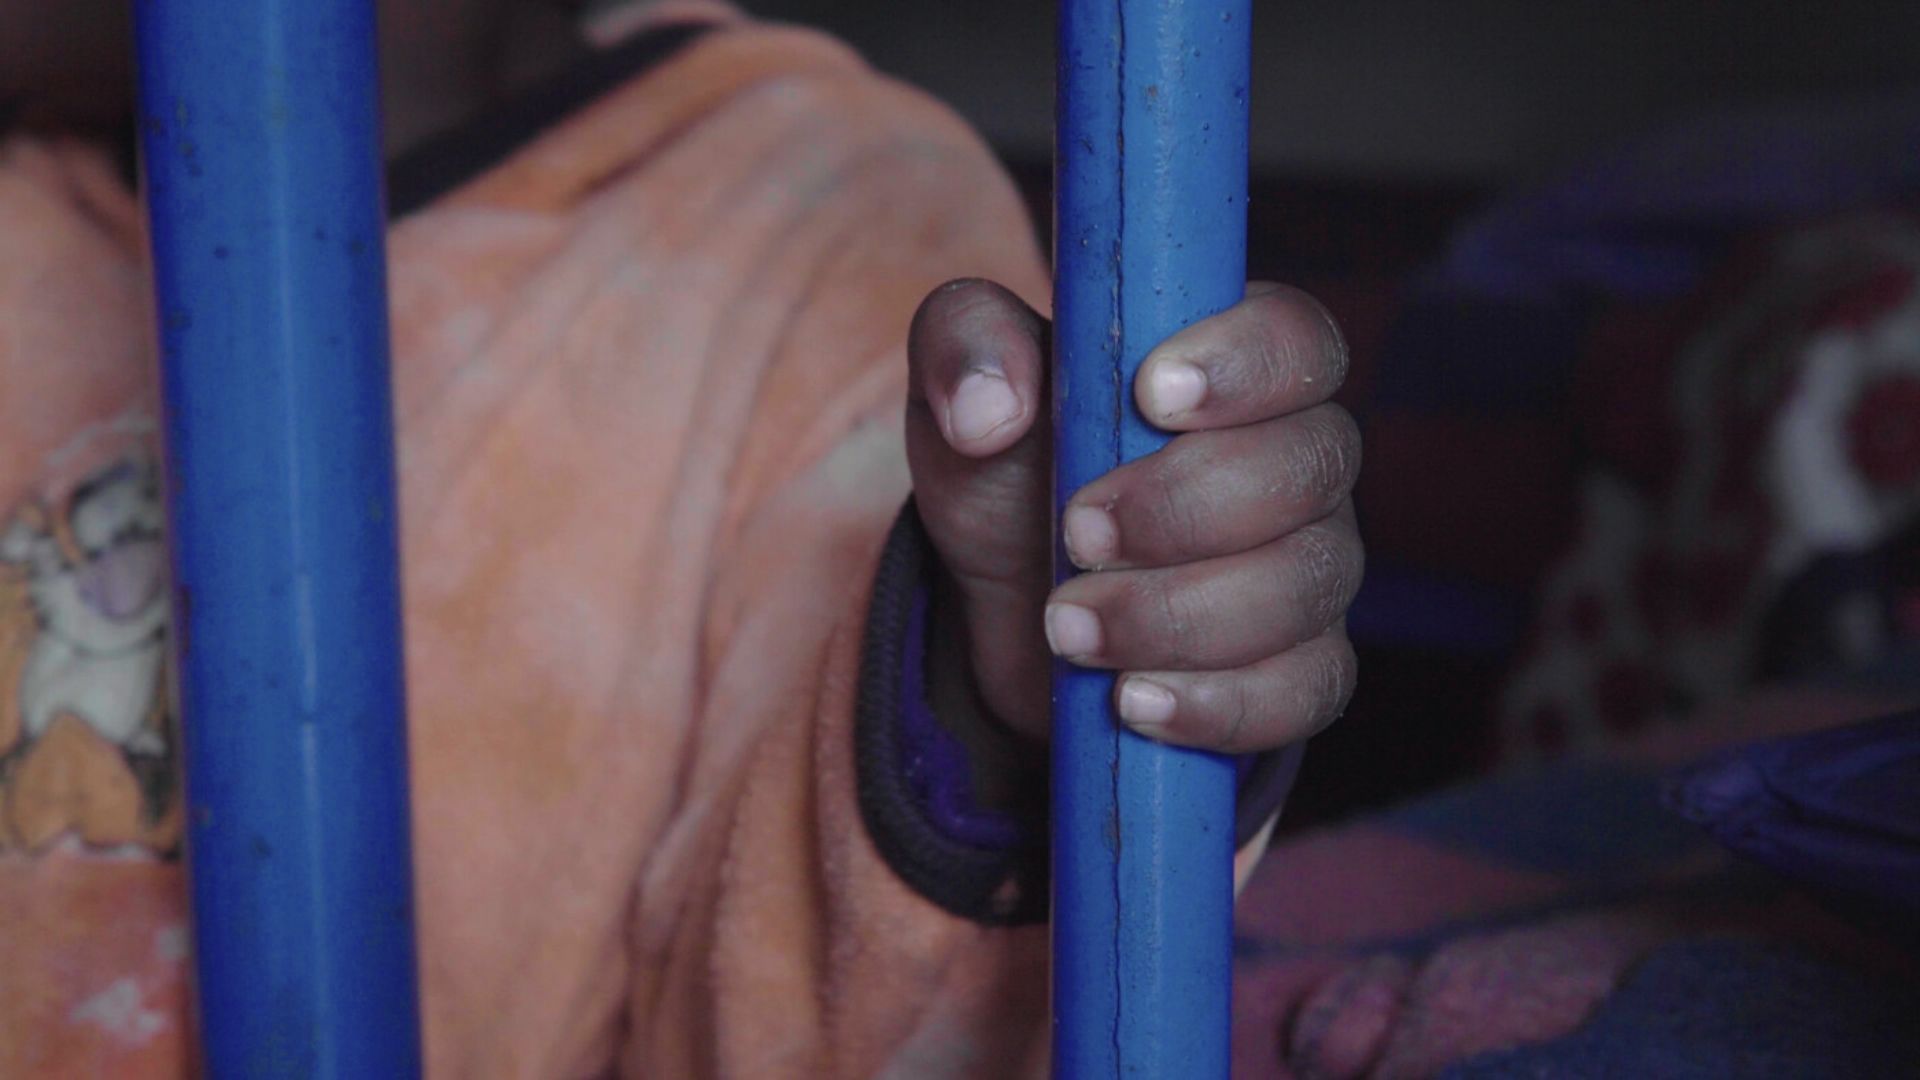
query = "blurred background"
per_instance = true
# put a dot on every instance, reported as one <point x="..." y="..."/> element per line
<point x="1526" y="215"/>
<point x="1471" y="91"/>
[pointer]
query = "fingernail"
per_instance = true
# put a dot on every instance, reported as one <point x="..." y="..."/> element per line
<point x="1091" y="539"/>
<point x="1072" y="631"/>
<point x="1175" y="388"/>
<point x="982" y="404"/>
<point x="1145" y="705"/>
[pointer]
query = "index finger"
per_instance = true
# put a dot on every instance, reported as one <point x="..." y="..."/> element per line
<point x="1276" y="352"/>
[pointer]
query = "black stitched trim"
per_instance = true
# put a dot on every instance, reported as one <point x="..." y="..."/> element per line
<point x="992" y="886"/>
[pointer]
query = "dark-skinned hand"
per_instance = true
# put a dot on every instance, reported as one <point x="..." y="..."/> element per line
<point x="1218" y="569"/>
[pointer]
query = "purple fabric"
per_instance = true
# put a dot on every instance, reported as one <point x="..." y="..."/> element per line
<point x="1839" y="809"/>
<point x="1710" y="1009"/>
<point x="1645" y="221"/>
<point x="936" y="765"/>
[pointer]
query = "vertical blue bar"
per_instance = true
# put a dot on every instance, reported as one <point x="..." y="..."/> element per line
<point x="262" y="162"/>
<point x="1150" y="236"/>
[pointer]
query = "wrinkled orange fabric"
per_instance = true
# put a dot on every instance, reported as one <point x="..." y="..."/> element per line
<point x="648" y="378"/>
<point x="649" y="373"/>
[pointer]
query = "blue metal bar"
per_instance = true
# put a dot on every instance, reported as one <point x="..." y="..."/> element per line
<point x="1150" y="235"/>
<point x="262" y="163"/>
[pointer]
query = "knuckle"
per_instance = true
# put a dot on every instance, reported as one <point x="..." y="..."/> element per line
<point x="1344" y="447"/>
<point x="1303" y="699"/>
<point x="1335" y="675"/>
<point x="1251" y="704"/>
<point x="1178" y="509"/>
<point x="1276" y="313"/>
<point x="1173" y="619"/>
<point x="1338" y="358"/>
<point x="1296" y="346"/>
<point x="1327" y="564"/>
<point x="1273" y="363"/>
<point x="1226" y="708"/>
<point x="950" y="314"/>
<point x="1251" y="707"/>
<point x="1237" y="716"/>
<point x="1325" y="461"/>
<point x="939" y="303"/>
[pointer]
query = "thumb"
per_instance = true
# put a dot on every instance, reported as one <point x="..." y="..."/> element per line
<point x="977" y="443"/>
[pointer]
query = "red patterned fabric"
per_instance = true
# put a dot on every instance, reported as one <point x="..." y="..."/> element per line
<point x="1743" y="445"/>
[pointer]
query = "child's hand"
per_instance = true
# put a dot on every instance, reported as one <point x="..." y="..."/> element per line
<point x="1222" y="565"/>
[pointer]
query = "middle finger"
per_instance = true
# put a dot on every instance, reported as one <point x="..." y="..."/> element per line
<point x="1213" y="493"/>
<point x="1218" y="613"/>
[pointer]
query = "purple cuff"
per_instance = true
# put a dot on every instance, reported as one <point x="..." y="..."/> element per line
<point x="917" y="790"/>
<point x="1838" y="810"/>
<point x="936" y="767"/>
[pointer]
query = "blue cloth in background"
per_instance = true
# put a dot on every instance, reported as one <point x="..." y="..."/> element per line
<point x="1837" y="810"/>
<point x="1543" y="821"/>
<point x="1648" y="219"/>
<point x="1730" y="1009"/>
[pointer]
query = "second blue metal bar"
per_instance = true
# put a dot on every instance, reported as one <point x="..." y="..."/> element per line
<point x="262" y="166"/>
<point x="1150" y="236"/>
